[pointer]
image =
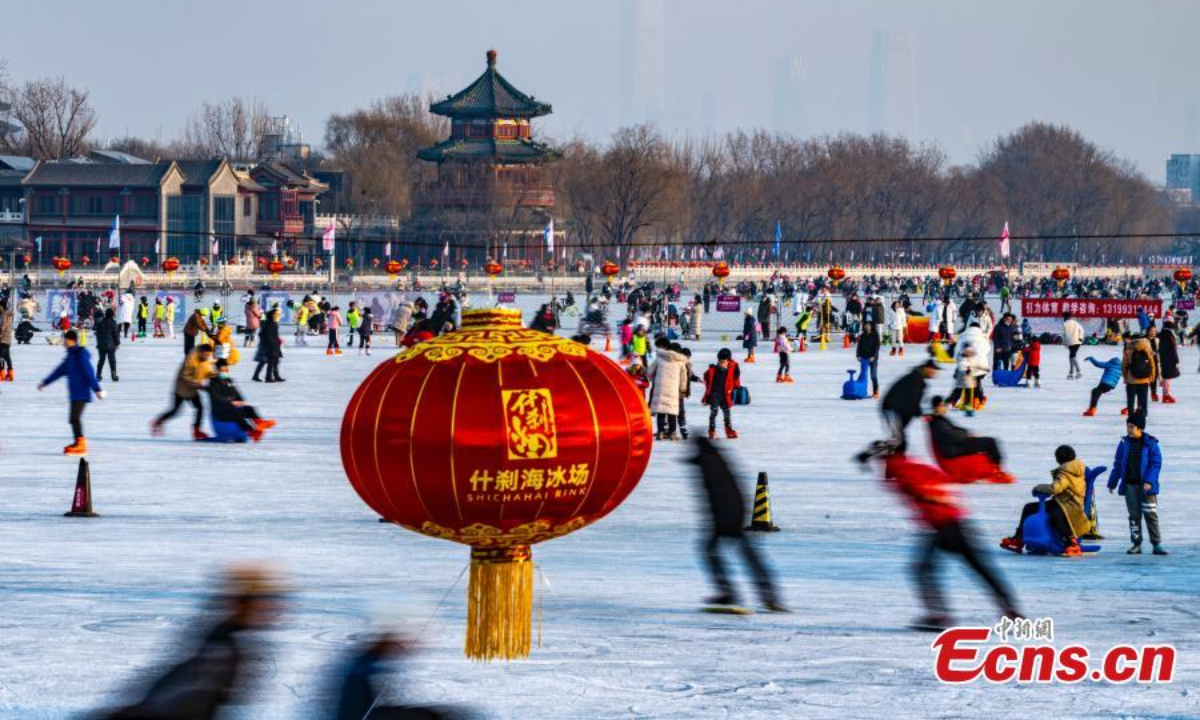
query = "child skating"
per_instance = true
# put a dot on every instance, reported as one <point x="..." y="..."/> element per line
<point x="82" y="383"/>
<point x="783" y="347"/>
<point x="1135" y="475"/>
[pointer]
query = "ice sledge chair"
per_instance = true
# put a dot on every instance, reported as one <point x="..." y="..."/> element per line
<point x="969" y="468"/>
<point x="1039" y="536"/>
<point x="856" y="388"/>
<point x="1009" y="378"/>
<point x="227" y="432"/>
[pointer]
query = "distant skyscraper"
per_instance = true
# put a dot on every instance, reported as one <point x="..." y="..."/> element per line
<point x="892" y="84"/>
<point x="790" y="100"/>
<point x="1183" y="174"/>
<point x="642" y="61"/>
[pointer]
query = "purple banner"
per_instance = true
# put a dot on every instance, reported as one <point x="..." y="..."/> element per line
<point x="1185" y="304"/>
<point x="729" y="303"/>
<point x="506" y="296"/>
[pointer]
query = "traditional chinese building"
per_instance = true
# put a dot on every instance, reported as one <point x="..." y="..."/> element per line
<point x="490" y="188"/>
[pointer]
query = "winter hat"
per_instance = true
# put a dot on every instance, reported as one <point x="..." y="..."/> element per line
<point x="1137" y="419"/>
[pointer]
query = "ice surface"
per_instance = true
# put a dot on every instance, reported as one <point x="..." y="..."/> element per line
<point x="87" y="603"/>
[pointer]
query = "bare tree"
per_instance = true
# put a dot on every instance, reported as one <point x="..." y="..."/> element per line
<point x="231" y="129"/>
<point x="55" y="118"/>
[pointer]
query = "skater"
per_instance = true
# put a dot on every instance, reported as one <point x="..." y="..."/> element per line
<point x="228" y="405"/>
<point x="169" y="316"/>
<point x="359" y="692"/>
<point x="300" y="315"/>
<point x="926" y="490"/>
<point x="868" y="349"/>
<point x="6" y="339"/>
<point x="783" y="347"/>
<point x="902" y="402"/>
<point x="365" y="330"/>
<point x="689" y="378"/>
<point x="668" y="379"/>
<point x="897" y="328"/>
<point x="749" y="335"/>
<point x="143" y="314"/>
<point x="1073" y="339"/>
<point x="1135" y="475"/>
<point x="1002" y="342"/>
<point x="1138" y="369"/>
<point x="224" y="666"/>
<point x="766" y="309"/>
<point x="269" y="348"/>
<point x="253" y="321"/>
<point x="1168" y="359"/>
<point x="951" y="441"/>
<point x="108" y="341"/>
<point x="223" y="348"/>
<point x="727" y="511"/>
<point x="697" y="316"/>
<point x="196" y="369"/>
<point x="159" y="315"/>
<point x="127" y="307"/>
<point x="720" y="380"/>
<point x="194" y="327"/>
<point x="639" y="344"/>
<point x="353" y="320"/>
<point x="333" y="321"/>
<point x="1108" y="382"/>
<point x="1033" y="363"/>
<point x="82" y="383"/>
<point x="1067" y="489"/>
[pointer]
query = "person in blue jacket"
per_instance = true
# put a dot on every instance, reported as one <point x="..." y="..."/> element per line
<point x="1135" y="475"/>
<point x="77" y="368"/>
<point x="1108" y="382"/>
<point x="1144" y="321"/>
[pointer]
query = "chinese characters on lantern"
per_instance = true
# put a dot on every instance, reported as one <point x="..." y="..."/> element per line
<point x="529" y="484"/>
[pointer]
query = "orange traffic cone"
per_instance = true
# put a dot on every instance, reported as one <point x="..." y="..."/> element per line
<point x="607" y="343"/>
<point x="81" y="504"/>
<point x="803" y="344"/>
<point x="846" y="341"/>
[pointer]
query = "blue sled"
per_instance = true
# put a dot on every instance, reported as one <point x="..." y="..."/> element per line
<point x="1039" y="536"/>
<point x="1009" y="378"/>
<point x="856" y="388"/>
<point x="227" y="432"/>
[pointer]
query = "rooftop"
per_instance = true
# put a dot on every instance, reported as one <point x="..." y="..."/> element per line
<point x="98" y="174"/>
<point x="490" y="96"/>
<point x="476" y="149"/>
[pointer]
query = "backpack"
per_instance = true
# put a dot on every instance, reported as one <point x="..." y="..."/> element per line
<point x="740" y="396"/>
<point x="1140" y="366"/>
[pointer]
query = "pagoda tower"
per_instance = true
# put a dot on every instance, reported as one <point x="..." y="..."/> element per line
<point x="490" y="188"/>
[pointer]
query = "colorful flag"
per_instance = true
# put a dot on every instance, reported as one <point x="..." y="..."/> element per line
<point x="275" y="248"/>
<point x="387" y="249"/>
<point x="446" y="249"/>
<point x="97" y="244"/>
<point x="1004" y="248"/>
<point x="215" y="248"/>
<point x="38" y="240"/>
<point x="158" y="245"/>
<point x="549" y="233"/>
<point x="504" y="252"/>
<point x="778" y="237"/>
<point x="329" y="237"/>
<point x="114" y="235"/>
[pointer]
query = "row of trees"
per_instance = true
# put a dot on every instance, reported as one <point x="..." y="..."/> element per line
<point x="872" y="198"/>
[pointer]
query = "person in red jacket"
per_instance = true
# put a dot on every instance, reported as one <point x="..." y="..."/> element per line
<point x="1033" y="363"/>
<point x="720" y="380"/>
<point x="926" y="490"/>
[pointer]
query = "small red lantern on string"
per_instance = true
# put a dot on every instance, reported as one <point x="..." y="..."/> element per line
<point x="493" y="268"/>
<point x="233" y="260"/>
<point x="85" y="260"/>
<point x="349" y="263"/>
<point x="317" y="263"/>
<point x="1060" y="275"/>
<point x="62" y="265"/>
<point x="497" y="437"/>
<point x="947" y="273"/>
<point x="170" y="265"/>
<point x="393" y="268"/>
<point x="28" y="260"/>
<point x="291" y="263"/>
<point x="275" y="267"/>
<point x="114" y="259"/>
<point x="836" y="273"/>
<point x="433" y="264"/>
<point x="145" y="261"/>
<point x="721" y="271"/>
<point x="204" y="260"/>
<point x="1183" y="276"/>
<point x="464" y="263"/>
<point x="376" y="262"/>
<point x="262" y="262"/>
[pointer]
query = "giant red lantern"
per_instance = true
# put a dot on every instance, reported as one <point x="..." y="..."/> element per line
<point x="275" y="267"/>
<point x="947" y="273"/>
<point x="721" y="271"/>
<point x="1183" y="276"/>
<point x="170" y="265"/>
<point x="836" y="273"/>
<point x="496" y="437"/>
<point x="493" y="268"/>
<point x="393" y="268"/>
<point x="62" y="265"/>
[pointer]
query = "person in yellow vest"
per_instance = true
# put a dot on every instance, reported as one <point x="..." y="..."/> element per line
<point x="301" y="318"/>
<point x="160" y="314"/>
<point x="223" y="348"/>
<point x="143" y="314"/>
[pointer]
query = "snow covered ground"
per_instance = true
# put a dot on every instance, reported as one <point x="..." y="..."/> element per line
<point x="87" y="603"/>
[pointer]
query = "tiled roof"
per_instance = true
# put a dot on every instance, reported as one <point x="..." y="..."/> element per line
<point x="490" y="96"/>
<point x="502" y="151"/>
<point x="11" y="178"/>
<point x="198" y="172"/>
<point x="97" y="174"/>
<point x="17" y="162"/>
<point x="291" y="176"/>
<point x="116" y="156"/>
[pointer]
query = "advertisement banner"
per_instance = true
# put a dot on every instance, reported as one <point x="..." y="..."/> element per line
<point x="181" y="311"/>
<point x="1055" y="307"/>
<point x="506" y="297"/>
<point x="270" y="298"/>
<point x="58" y="301"/>
<point x="729" y="303"/>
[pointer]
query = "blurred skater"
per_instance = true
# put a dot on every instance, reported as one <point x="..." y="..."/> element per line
<point x="76" y="367"/>
<point x="360" y="695"/>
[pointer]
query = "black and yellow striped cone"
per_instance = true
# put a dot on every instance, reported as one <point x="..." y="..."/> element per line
<point x="761" y="521"/>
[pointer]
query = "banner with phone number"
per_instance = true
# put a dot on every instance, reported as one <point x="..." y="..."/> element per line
<point x="1110" y="308"/>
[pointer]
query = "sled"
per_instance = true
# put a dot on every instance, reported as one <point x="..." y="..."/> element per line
<point x="1039" y="536"/>
<point x="227" y="432"/>
<point x="967" y="469"/>
<point x="1009" y="378"/>
<point x="856" y="388"/>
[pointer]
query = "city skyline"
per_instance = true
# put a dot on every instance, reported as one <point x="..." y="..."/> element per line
<point x="936" y="71"/>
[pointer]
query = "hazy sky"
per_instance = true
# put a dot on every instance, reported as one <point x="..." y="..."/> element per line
<point x="952" y="72"/>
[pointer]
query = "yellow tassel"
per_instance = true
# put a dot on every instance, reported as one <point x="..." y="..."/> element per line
<point x="500" y="603"/>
